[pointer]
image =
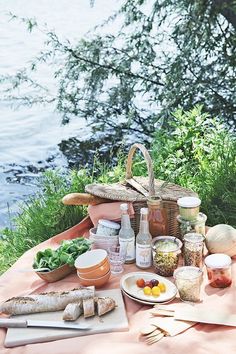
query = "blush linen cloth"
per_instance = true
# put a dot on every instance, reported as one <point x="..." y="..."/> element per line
<point x="108" y="211"/>
<point x="200" y="339"/>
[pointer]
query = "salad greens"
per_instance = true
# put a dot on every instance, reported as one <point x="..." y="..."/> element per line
<point x="67" y="253"/>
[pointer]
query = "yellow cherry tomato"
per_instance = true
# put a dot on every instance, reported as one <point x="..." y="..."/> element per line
<point x="156" y="291"/>
<point x="147" y="290"/>
<point x="162" y="287"/>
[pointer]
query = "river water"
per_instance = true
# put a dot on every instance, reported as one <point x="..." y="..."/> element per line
<point x="31" y="139"/>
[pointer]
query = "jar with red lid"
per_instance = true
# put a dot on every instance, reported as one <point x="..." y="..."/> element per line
<point x="219" y="270"/>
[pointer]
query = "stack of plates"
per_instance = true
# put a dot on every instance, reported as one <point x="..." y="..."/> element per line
<point x="131" y="290"/>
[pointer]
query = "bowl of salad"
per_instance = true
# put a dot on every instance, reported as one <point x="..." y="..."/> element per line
<point x="60" y="262"/>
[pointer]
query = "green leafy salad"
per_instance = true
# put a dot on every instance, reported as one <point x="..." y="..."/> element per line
<point x="67" y="253"/>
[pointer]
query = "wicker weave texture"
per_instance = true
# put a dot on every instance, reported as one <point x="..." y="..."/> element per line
<point x="139" y="189"/>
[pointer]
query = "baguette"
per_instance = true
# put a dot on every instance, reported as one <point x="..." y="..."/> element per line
<point x="88" y="307"/>
<point x="104" y="305"/>
<point x="45" y="302"/>
<point x="82" y="199"/>
<point x="72" y="311"/>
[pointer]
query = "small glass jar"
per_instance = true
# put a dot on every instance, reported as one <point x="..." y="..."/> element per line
<point x="188" y="281"/>
<point x="189" y="207"/>
<point x="197" y="225"/>
<point x="219" y="270"/>
<point x="193" y="249"/>
<point x="157" y="217"/>
<point x="166" y="251"/>
<point x="107" y="228"/>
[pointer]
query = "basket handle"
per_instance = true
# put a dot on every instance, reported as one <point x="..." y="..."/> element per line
<point x="129" y="175"/>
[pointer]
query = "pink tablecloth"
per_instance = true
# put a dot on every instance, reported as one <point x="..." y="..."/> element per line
<point x="200" y="339"/>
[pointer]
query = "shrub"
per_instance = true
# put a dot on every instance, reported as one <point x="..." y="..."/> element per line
<point x="198" y="152"/>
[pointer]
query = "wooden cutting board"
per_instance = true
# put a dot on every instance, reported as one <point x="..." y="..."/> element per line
<point x="114" y="321"/>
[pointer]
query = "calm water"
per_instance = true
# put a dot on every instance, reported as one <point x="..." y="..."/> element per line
<point x="30" y="138"/>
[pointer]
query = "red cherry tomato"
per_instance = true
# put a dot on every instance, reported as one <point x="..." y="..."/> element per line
<point x="154" y="282"/>
<point x="140" y="283"/>
<point x="148" y="283"/>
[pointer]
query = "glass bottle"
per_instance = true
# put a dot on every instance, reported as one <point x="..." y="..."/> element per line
<point x="157" y="217"/>
<point x="127" y="235"/>
<point x="143" y="242"/>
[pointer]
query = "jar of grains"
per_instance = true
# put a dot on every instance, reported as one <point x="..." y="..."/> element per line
<point x="193" y="249"/>
<point x="166" y="251"/>
<point x="188" y="281"/>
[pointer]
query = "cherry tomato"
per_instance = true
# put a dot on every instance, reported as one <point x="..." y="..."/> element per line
<point x="147" y="290"/>
<point x="140" y="283"/>
<point x="162" y="287"/>
<point x="156" y="291"/>
<point x="154" y="282"/>
<point x="148" y="283"/>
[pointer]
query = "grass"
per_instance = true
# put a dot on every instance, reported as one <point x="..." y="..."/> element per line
<point x="43" y="215"/>
<point x="195" y="151"/>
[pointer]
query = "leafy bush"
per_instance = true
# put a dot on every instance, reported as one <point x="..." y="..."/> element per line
<point x="195" y="151"/>
<point x="198" y="152"/>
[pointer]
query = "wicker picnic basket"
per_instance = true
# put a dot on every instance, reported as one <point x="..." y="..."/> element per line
<point x="138" y="189"/>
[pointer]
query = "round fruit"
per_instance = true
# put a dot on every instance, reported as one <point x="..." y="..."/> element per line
<point x="162" y="287"/>
<point x="156" y="291"/>
<point x="140" y="283"/>
<point x="147" y="290"/>
<point x="148" y="283"/>
<point x="154" y="282"/>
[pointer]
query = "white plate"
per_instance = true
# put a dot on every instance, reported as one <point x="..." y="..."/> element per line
<point x="128" y="284"/>
<point x="150" y="303"/>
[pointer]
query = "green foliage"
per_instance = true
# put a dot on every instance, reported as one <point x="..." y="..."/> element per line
<point x="195" y="150"/>
<point x="44" y="215"/>
<point x="200" y="153"/>
<point x="66" y="253"/>
<point x="167" y="54"/>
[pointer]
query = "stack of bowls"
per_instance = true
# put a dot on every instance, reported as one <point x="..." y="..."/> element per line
<point x="93" y="268"/>
<point x="102" y="241"/>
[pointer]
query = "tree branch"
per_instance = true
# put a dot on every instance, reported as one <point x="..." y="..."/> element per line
<point x="228" y="9"/>
<point x="114" y="69"/>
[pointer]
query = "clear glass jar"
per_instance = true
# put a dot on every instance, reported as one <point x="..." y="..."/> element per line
<point x="193" y="249"/>
<point x="188" y="281"/>
<point x="219" y="270"/>
<point x="157" y="217"/>
<point x="189" y="207"/>
<point x="107" y="228"/>
<point x="197" y="225"/>
<point x="166" y="251"/>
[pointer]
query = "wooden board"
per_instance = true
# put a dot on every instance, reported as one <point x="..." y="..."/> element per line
<point x="114" y="321"/>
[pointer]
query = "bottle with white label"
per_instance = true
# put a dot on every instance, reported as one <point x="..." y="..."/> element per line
<point x="126" y="235"/>
<point x="143" y="242"/>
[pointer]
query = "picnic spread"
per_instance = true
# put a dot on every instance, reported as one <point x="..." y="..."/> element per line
<point x="142" y="272"/>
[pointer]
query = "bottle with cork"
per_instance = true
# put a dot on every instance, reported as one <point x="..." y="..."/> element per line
<point x="143" y="242"/>
<point x="127" y="235"/>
